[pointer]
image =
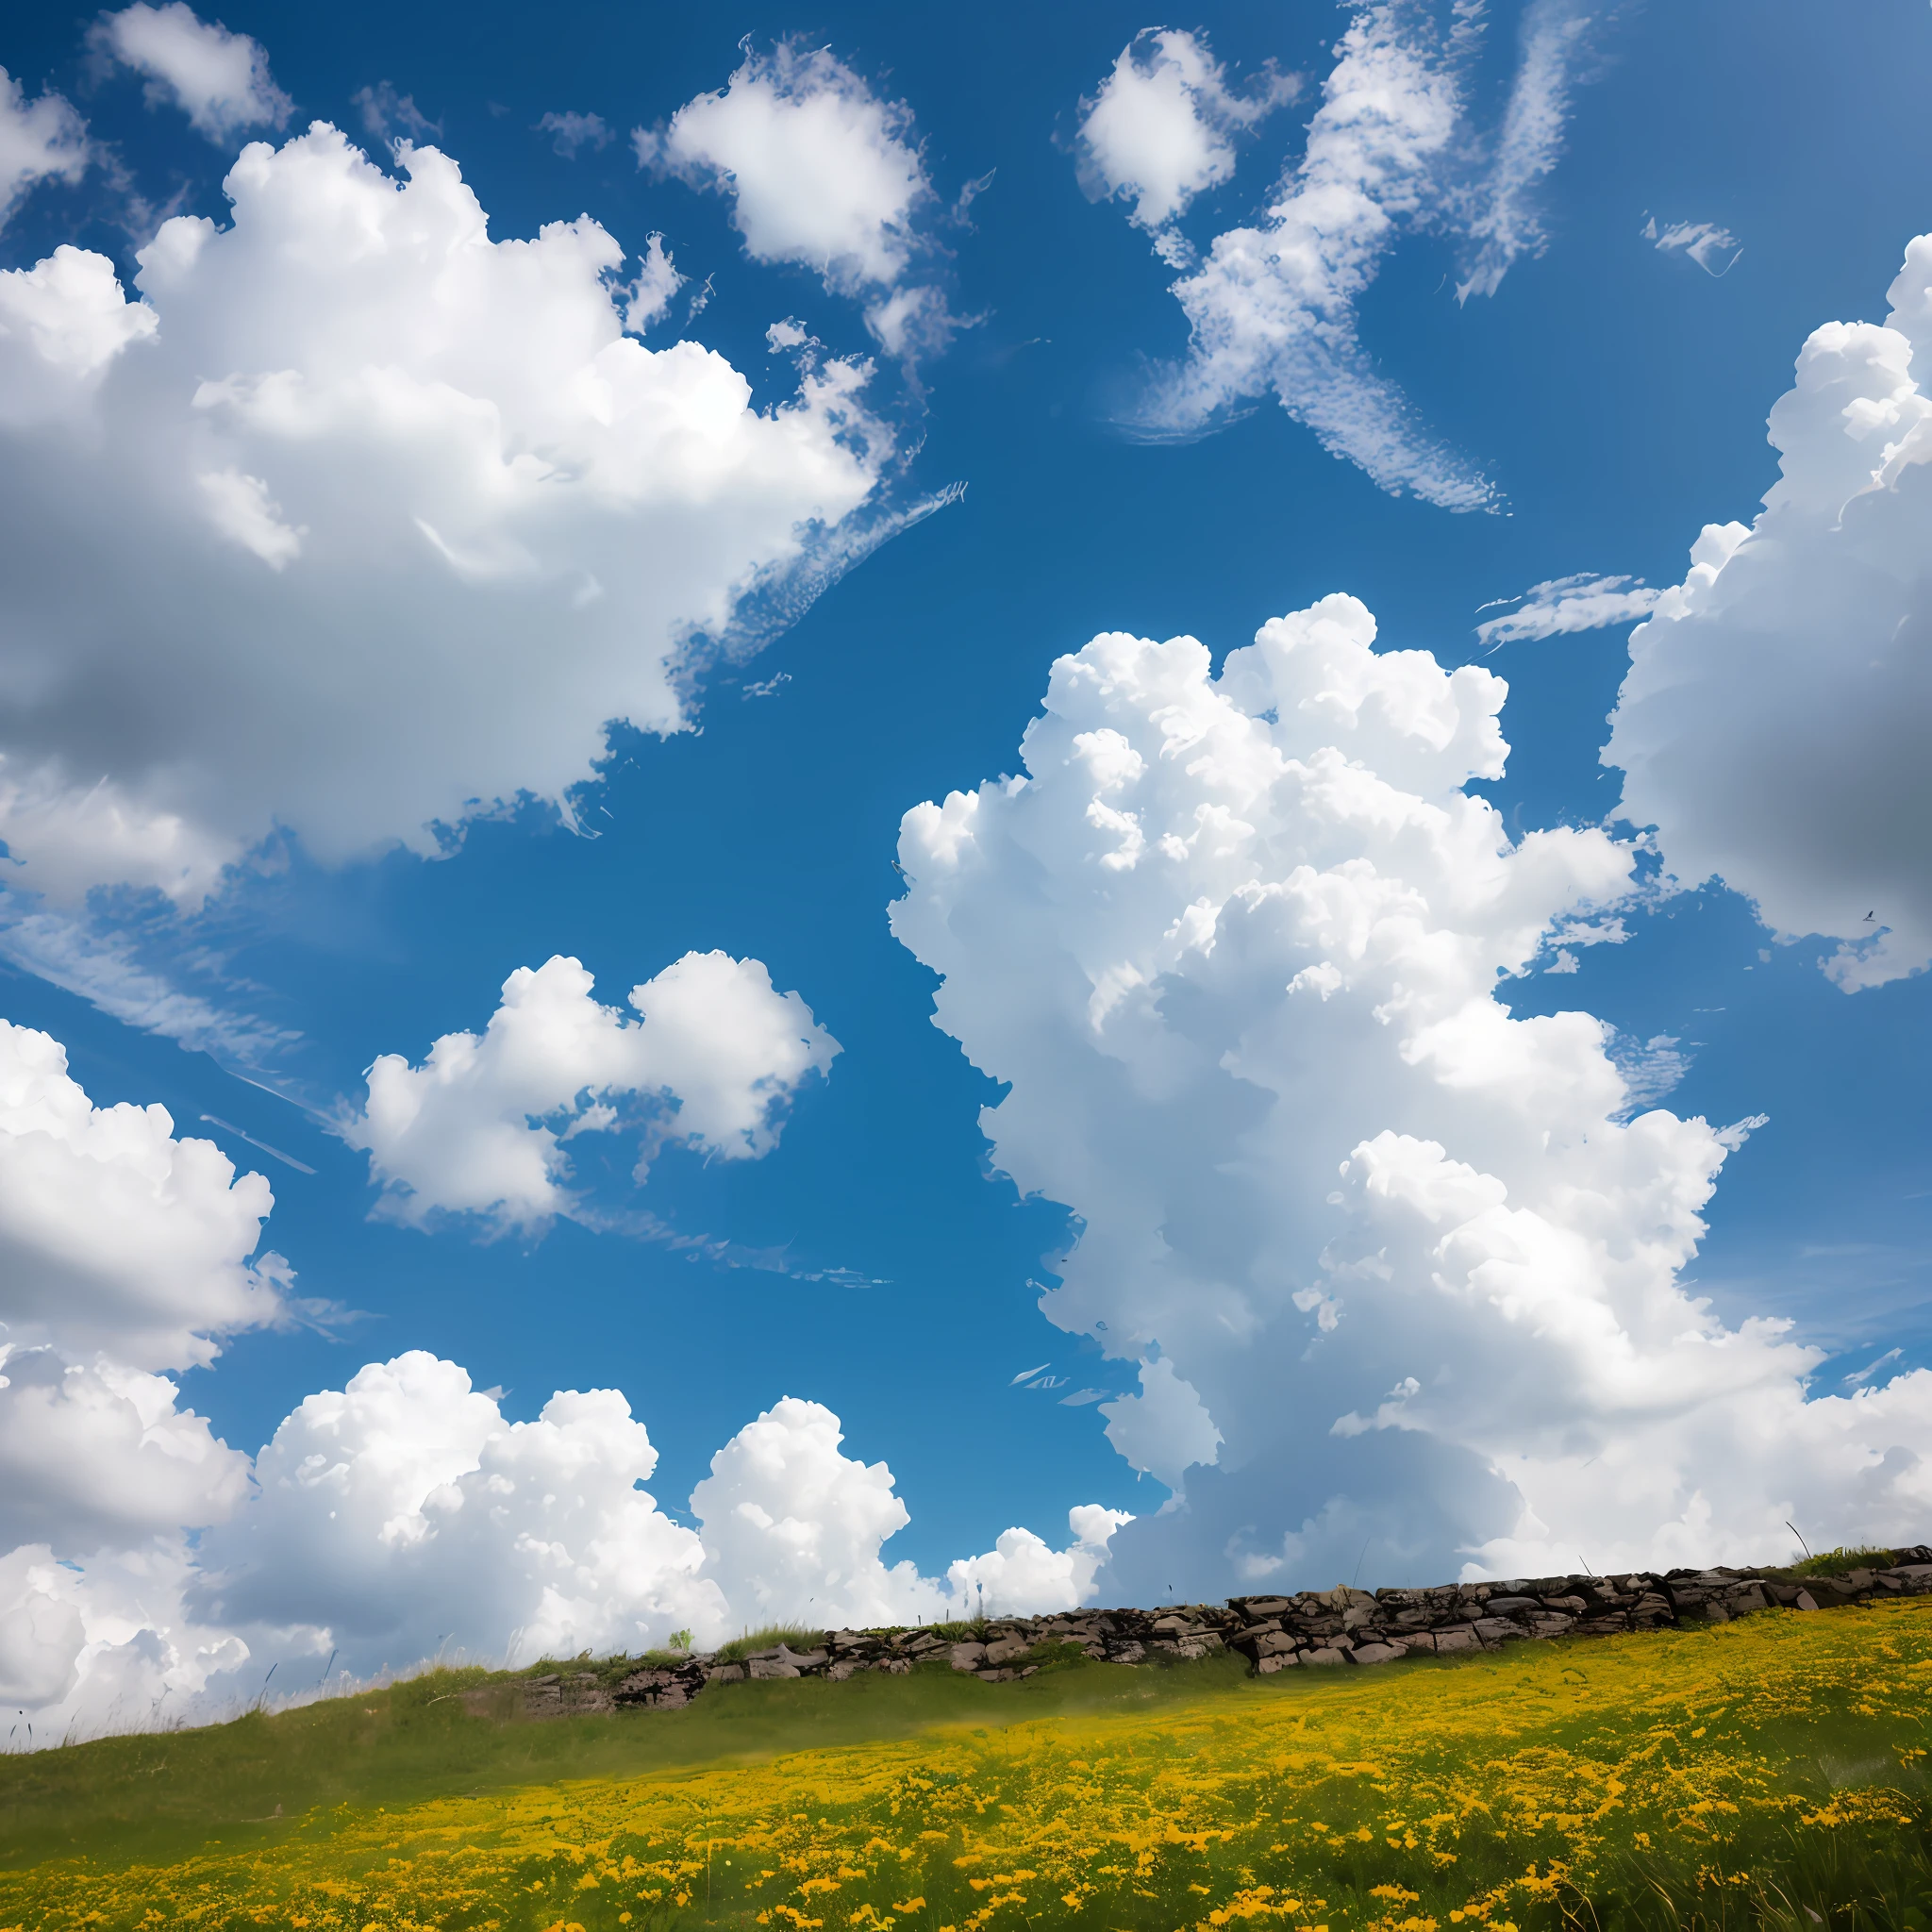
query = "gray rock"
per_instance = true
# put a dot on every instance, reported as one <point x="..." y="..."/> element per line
<point x="1609" y="1623"/>
<point x="726" y="1673"/>
<point x="1322" y="1657"/>
<point x="1006" y="1650"/>
<point x="1803" y="1601"/>
<point x="767" y="1667"/>
<point x="660" y="1689"/>
<point x="1276" y="1660"/>
<point x="1512" y="1605"/>
<point x="1377" y="1653"/>
<point x="1492" y="1631"/>
<point x="1126" y="1652"/>
<point x="1448" y="1643"/>
<point x="968" y="1657"/>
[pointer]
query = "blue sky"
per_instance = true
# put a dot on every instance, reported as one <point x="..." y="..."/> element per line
<point x="1615" y="393"/>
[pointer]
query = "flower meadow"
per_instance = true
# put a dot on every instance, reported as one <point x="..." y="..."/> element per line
<point x="1764" y="1771"/>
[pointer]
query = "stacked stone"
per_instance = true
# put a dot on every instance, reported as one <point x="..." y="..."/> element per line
<point x="1314" y="1629"/>
<point x="1353" y="1627"/>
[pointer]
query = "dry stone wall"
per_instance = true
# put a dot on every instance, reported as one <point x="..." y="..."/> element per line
<point x="1313" y="1630"/>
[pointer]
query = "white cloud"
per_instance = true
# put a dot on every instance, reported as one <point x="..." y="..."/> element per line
<point x="1165" y="1430"/>
<point x="1772" y="723"/>
<point x="1650" y="1068"/>
<point x="387" y="497"/>
<point x="114" y="1235"/>
<point x="792" y="1526"/>
<point x="40" y="141"/>
<point x="402" y="1513"/>
<point x="63" y="324"/>
<point x="118" y="1245"/>
<point x="388" y="116"/>
<point x="1271" y="306"/>
<point x="107" y="1644"/>
<point x="1239" y="946"/>
<point x="1565" y="605"/>
<point x="219" y="79"/>
<point x="404" y="1516"/>
<point x="1162" y="126"/>
<point x="1505" y="222"/>
<point x="572" y="131"/>
<point x="650" y="294"/>
<point x="1021" y="1575"/>
<point x="95" y="1455"/>
<point x="102" y="967"/>
<point x="712" y="1061"/>
<point x="1703" y="242"/>
<point x="821" y="173"/>
<point x="819" y="169"/>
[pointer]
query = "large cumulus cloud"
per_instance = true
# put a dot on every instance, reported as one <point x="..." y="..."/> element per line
<point x="404" y="1515"/>
<point x="1393" y="1266"/>
<point x="113" y="1234"/>
<point x="1772" y="722"/>
<point x="350" y="519"/>
<point x="124" y="1251"/>
<point x="147" y="1566"/>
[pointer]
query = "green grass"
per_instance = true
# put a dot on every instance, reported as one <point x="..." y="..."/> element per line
<point x="1767" y="1773"/>
<point x="1835" y="1562"/>
<point x="163" y="1793"/>
<point x="799" y="1637"/>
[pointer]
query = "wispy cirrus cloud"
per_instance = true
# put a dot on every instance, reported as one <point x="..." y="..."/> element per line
<point x="1570" y="604"/>
<point x="1505" y="218"/>
<point x="1715" y="250"/>
<point x="1272" y="304"/>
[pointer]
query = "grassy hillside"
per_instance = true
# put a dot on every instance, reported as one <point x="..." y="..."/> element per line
<point x="1767" y="1771"/>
